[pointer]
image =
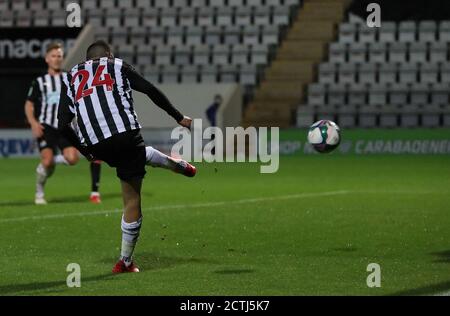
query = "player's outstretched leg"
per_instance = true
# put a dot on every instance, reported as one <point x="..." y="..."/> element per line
<point x="44" y="171"/>
<point x="155" y="158"/>
<point x="95" y="168"/>
<point x="131" y="225"/>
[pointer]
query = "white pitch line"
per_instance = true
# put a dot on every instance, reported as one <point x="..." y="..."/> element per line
<point x="178" y="206"/>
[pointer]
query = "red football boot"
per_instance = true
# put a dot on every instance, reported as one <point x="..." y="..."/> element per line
<point x="95" y="198"/>
<point x="184" y="167"/>
<point x="120" y="267"/>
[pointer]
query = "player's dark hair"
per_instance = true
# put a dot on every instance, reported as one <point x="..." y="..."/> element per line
<point x="52" y="46"/>
<point x="98" y="49"/>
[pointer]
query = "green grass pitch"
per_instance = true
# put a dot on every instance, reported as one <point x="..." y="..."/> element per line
<point x="310" y="229"/>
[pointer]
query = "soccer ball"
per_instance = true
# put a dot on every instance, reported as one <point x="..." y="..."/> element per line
<point x="324" y="136"/>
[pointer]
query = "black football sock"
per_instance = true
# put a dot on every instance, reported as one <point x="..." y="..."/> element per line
<point x="95" y="176"/>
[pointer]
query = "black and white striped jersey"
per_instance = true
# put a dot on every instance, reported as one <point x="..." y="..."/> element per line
<point x="44" y="93"/>
<point x="98" y="94"/>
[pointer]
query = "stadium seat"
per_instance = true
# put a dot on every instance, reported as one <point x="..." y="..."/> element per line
<point x="427" y="31"/>
<point x="58" y="18"/>
<point x="150" y="17"/>
<point x="387" y="32"/>
<point x="182" y="55"/>
<point x="357" y="94"/>
<point x="24" y="18"/>
<point x="228" y="73"/>
<point x="168" y="17"/>
<point x="205" y="16"/>
<point x="377" y="94"/>
<point x="131" y="17"/>
<point x="367" y="115"/>
<point x="170" y="73"/>
<point x="259" y="55"/>
<point x="186" y="16"/>
<point x="175" y="35"/>
<point x="224" y="16"/>
<point x="270" y="35"/>
<point x="327" y="73"/>
<point x="367" y="34"/>
<point x="250" y="35"/>
<point x="243" y="16"/>
<point x="201" y="55"/>
<point x="445" y="72"/>
<point x="240" y="54"/>
<point x="213" y="35"/>
<point x="347" y="73"/>
<point x="397" y="52"/>
<point x="389" y="115"/>
<point x="36" y="5"/>
<point x="347" y="33"/>
<point x="377" y="52"/>
<point x="199" y="3"/>
<point x="41" y="18"/>
<point x="431" y="114"/>
<point x="221" y="54"/>
<point x="419" y="94"/>
<point x="338" y="52"/>
<point x="139" y="35"/>
<point x="157" y="36"/>
<point x="417" y="52"/>
<point x="53" y="4"/>
<point x="113" y="17"/>
<point x="357" y="52"/>
<point x="347" y="116"/>
<point x="408" y="73"/>
<point x="103" y="4"/>
<point x="367" y="73"/>
<point x="248" y="75"/>
<point x="209" y="73"/>
<point x="163" y="4"/>
<point x="440" y="93"/>
<point x="95" y="17"/>
<point x="189" y="74"/>
<point x="337" y="94"/>
<point x="281" y="15"/>
<point x="444" y="31"/>
<point x="232" y="35"/>
<point x="438" y="52"/>
<point x="261" y="16"/>
<point x="407" y="32"/>
<point x="398" y="93"/>
<point x="387" y="73"/>
<point x="19" y="5"/>
<point x="305" y="116"/>
<point x="429" y="73"/>
<point x="144" y="55"/>
<point x="194" y="35"/>
<point x="316" y="94"/>
<point x="163" y="55"/>
<point x="410" y="116"/>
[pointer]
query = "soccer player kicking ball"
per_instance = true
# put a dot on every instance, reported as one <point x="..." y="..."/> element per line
<point x="97" y="93"/>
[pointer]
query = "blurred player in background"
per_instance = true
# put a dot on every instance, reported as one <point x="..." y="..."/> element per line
<point x="41" y="110"/>
<point x="98" y="94"/>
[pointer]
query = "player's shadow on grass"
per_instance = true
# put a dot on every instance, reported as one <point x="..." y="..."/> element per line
<point x="62" y="200"/>
<point x="150" y="261"/>
<point x="84" y="198"/>
<point x="444" y="256"/>
<point x="234" y="271"/>
<point x="25" y="288"/>
<point x="443" y="287"/>
<point x="431" y="289"/>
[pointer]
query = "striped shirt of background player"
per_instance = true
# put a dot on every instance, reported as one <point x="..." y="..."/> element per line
<point x="104" y="112"/>
<point x="44" y="93"/>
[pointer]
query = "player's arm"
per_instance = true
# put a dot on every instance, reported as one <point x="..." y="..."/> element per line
<point x="65" y="117"/>
<point x="140" y="84"/>
<point x="34" y="96"/>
